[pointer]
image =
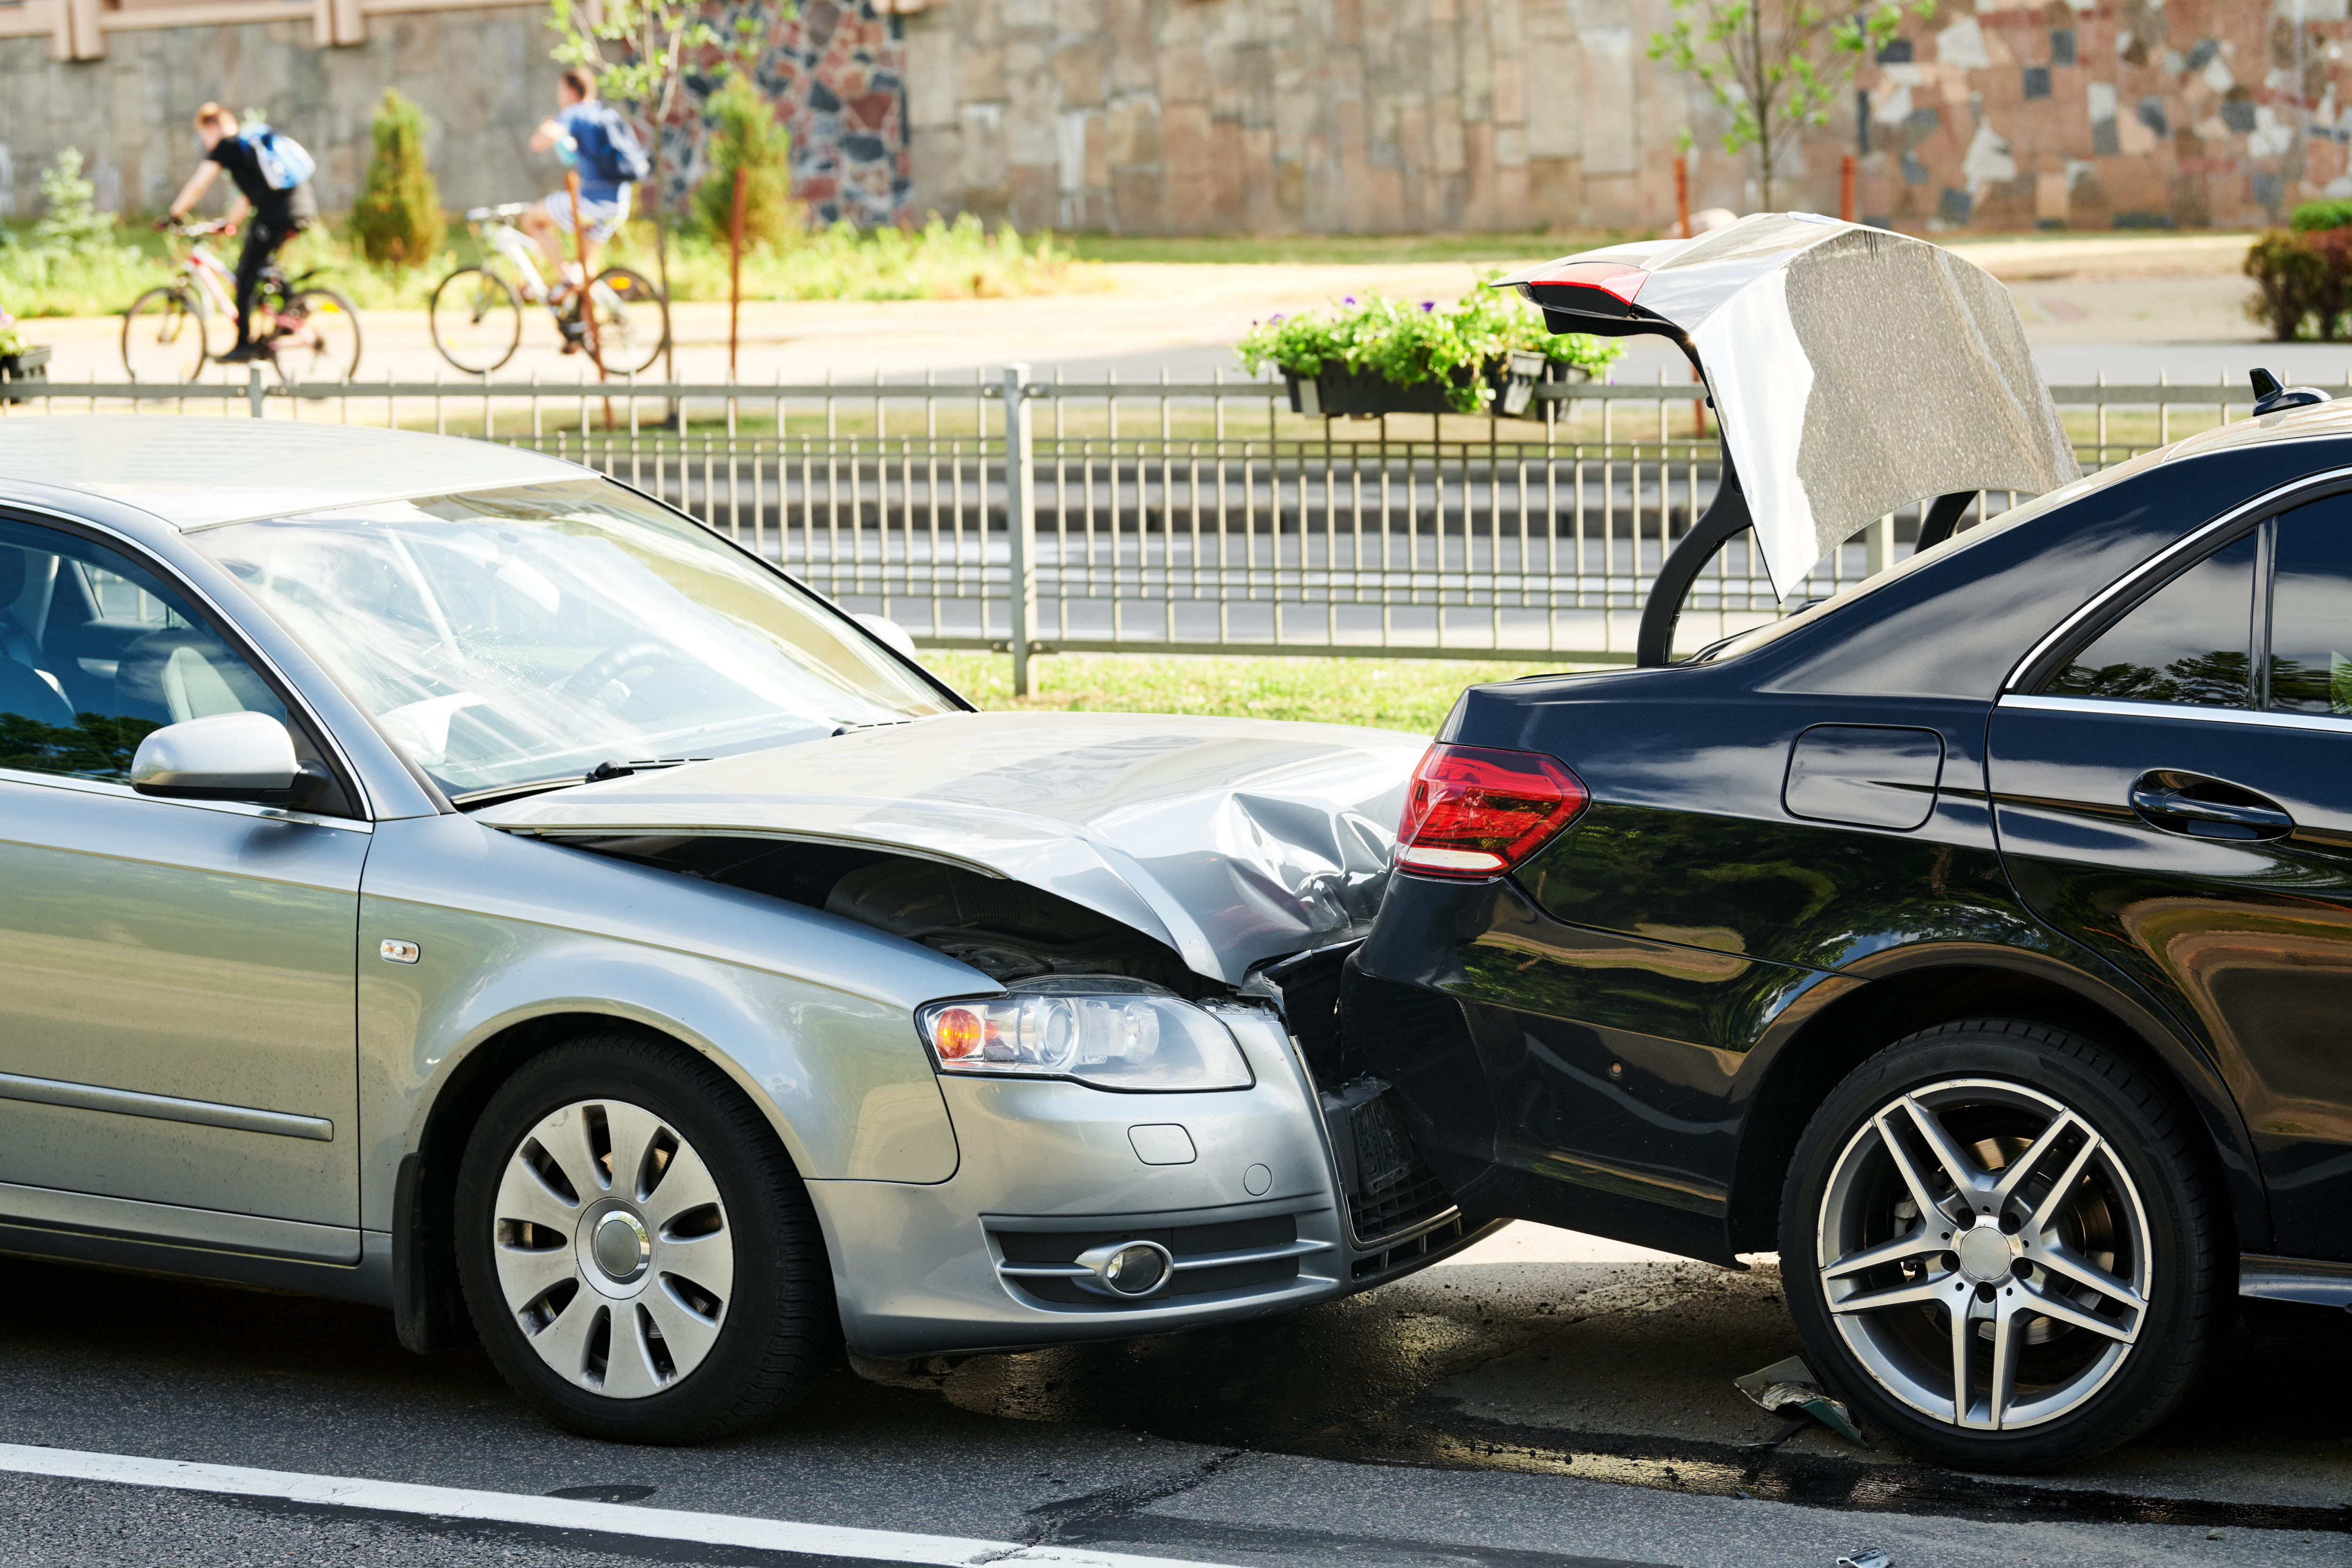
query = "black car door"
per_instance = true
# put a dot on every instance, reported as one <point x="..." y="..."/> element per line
<point x="2177" y="794"/>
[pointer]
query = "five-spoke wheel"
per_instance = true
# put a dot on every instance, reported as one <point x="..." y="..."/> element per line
<point x="1996" y="1239"/>
<point x="638" y="1255"/>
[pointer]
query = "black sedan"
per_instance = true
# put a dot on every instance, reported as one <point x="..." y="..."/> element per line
<point x="1979" y="940"/>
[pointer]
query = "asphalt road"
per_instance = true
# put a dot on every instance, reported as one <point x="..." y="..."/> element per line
<point x="1546" y="1401"/>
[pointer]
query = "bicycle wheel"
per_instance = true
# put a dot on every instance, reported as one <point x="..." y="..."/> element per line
<point x="631" y="320"/>
<point x="477" y="320"/>
<point x="319" y="337"/>
<point x="163" y="337"/>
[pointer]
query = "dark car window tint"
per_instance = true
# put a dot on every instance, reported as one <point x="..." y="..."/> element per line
<point x="2185" y="643"/>
<point x="2311" y="609"/>
<point x="95" y="652"/>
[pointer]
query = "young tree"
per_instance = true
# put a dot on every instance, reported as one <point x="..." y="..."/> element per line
<point x="398" y="217"/>
<point x="641" y="51"/>
<point x="1774" y="65"/>
<point x="744" y="135"/>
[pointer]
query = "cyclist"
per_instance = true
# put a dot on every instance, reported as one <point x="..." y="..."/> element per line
<point x="273" y="178"/>
<point x="592" y="138"/>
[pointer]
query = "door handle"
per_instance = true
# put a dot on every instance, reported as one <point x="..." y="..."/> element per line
<point x="2207" y="807"/>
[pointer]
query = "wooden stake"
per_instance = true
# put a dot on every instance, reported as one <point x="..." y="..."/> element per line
<point x="1681" y="193"/>
<point x="587" y="299"/>
<point x="735" y="268"/>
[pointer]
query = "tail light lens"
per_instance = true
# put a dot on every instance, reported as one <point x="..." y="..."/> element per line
<point x="1475" y="812"/>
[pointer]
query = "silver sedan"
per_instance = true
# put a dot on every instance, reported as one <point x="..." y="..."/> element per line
<point x="440" y="877"/>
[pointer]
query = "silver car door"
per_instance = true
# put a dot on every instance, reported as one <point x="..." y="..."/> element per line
<point x="177" y="985"/>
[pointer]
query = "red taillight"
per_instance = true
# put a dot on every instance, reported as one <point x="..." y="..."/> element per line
<point x="1476" y="811"/>
<point x="1615" y="277"/>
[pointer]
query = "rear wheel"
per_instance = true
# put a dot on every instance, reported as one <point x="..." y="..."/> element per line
<point x="163" y="337"/>
<point x="1999" y="1244"/>
<point x="477" y="320"/>
<point x="632" y="322"/>
<point x="320" y="337"/>
<point x="638" y="1255"/>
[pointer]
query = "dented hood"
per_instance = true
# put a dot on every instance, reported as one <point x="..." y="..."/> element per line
<point x="1232" y="841"/>
<point x="1855" y="371"/>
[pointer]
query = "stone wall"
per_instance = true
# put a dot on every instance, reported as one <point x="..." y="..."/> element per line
<point x="1199" y="116"/>
<point x="1206" y="116"/>
<point x="482" y="77"/>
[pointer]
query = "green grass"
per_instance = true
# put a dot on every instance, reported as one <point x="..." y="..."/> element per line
<point x="1408" y="694"/>
<point x="958" y="260"/>
<point x="1518" y="245"/>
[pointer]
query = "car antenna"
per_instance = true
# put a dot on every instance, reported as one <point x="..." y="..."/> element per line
<point x="2270" y="396"/>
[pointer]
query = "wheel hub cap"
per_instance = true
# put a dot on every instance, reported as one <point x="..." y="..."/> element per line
<point x="1985" y="1254"/>
<point x="622" y="1249"/>
<point x="614" y="1248"/>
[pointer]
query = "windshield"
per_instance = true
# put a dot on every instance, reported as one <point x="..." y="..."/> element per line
<point x="527" y="635"/>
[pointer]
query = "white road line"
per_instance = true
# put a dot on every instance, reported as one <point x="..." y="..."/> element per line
<point x="559" y="1513"/>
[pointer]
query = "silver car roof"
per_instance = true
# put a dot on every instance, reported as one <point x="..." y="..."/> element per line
<point x="198" y="473"/>
<point x="1856" y="370"/>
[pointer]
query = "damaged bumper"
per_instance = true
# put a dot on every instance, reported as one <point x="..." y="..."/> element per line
<point x="1269" y="1212"/>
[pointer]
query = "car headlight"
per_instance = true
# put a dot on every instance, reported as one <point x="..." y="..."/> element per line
<point x="1106" y="1031"/>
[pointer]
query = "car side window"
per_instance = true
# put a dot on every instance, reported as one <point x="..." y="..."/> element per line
<point x="96" y="651"/>
<point x="2311" y="609"/>
<point x="2188" y="642"/>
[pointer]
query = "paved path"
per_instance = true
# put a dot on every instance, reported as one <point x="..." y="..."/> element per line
<point x="2132" y="307"/>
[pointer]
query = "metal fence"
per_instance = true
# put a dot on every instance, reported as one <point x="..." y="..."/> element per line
<point x="1035" y="516"/>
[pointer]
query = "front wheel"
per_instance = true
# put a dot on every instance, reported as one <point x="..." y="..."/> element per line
<point x="638" y="1255"/>
<point x="319" y="337"/>
<point x="477" y="320"/>
<point x="163" y="337"/>
<point x="1999" y="1242"/>
<point x="632" y="322"/>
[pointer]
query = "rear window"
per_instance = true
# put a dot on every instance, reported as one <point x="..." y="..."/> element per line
<point x="1749" y="642"/>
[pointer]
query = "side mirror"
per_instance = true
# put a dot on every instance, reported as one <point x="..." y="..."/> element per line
<point x="890" y="632"/>
<point x="228" y="756"/>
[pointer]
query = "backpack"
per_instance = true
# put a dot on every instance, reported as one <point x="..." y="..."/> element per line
<point x="609" y="150"/>
<point x="285" y="162"/>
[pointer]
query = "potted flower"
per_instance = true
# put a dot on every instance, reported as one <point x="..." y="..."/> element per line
<point x="20" y="360"/>
<point x="1483" y="354"/>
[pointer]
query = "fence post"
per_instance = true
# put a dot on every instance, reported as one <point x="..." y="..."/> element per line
<point x="252" y="389"/>
<point x="1020" y="523"/>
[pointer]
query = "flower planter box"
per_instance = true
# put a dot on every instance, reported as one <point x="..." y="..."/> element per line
<point x="1366" y="395"/>
<point x="33" y="364"/>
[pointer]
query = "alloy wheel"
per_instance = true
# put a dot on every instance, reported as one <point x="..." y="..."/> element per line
<point x="1983" y="1253"/>
<point x="612" y="1249"/>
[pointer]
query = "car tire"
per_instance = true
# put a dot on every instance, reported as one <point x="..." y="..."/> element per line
<point x="638" y="1252"/>
<point x="2094" y="1281"/>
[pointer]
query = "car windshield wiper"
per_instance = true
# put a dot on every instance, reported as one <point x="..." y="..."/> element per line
<point x="611" y="768"/>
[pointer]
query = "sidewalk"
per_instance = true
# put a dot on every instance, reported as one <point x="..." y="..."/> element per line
<point x="2070" y="290"/>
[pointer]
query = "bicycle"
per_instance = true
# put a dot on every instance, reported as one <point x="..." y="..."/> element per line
<point x="306" y="329"/>
<point x="476" y="311"/>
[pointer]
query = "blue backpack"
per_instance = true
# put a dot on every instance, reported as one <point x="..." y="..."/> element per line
<point x="285" y="162"/>
<point x="608" y="148"/>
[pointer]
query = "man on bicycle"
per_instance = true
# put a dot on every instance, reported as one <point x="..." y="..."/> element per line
<point x="595" y="140"/>
<point x="279" y="213"/>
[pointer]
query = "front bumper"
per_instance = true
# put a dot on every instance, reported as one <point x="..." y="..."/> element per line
<point x="1257" y="1221"/>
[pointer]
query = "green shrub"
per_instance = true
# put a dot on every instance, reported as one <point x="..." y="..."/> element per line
<point x="397" y="218"/>
<point x="1408" y="344"/>
<point x="2312" y="216"/>
<point x="2303" y="283"/>
<point x="744" y="135"/>
<point x="71" y="223"/>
